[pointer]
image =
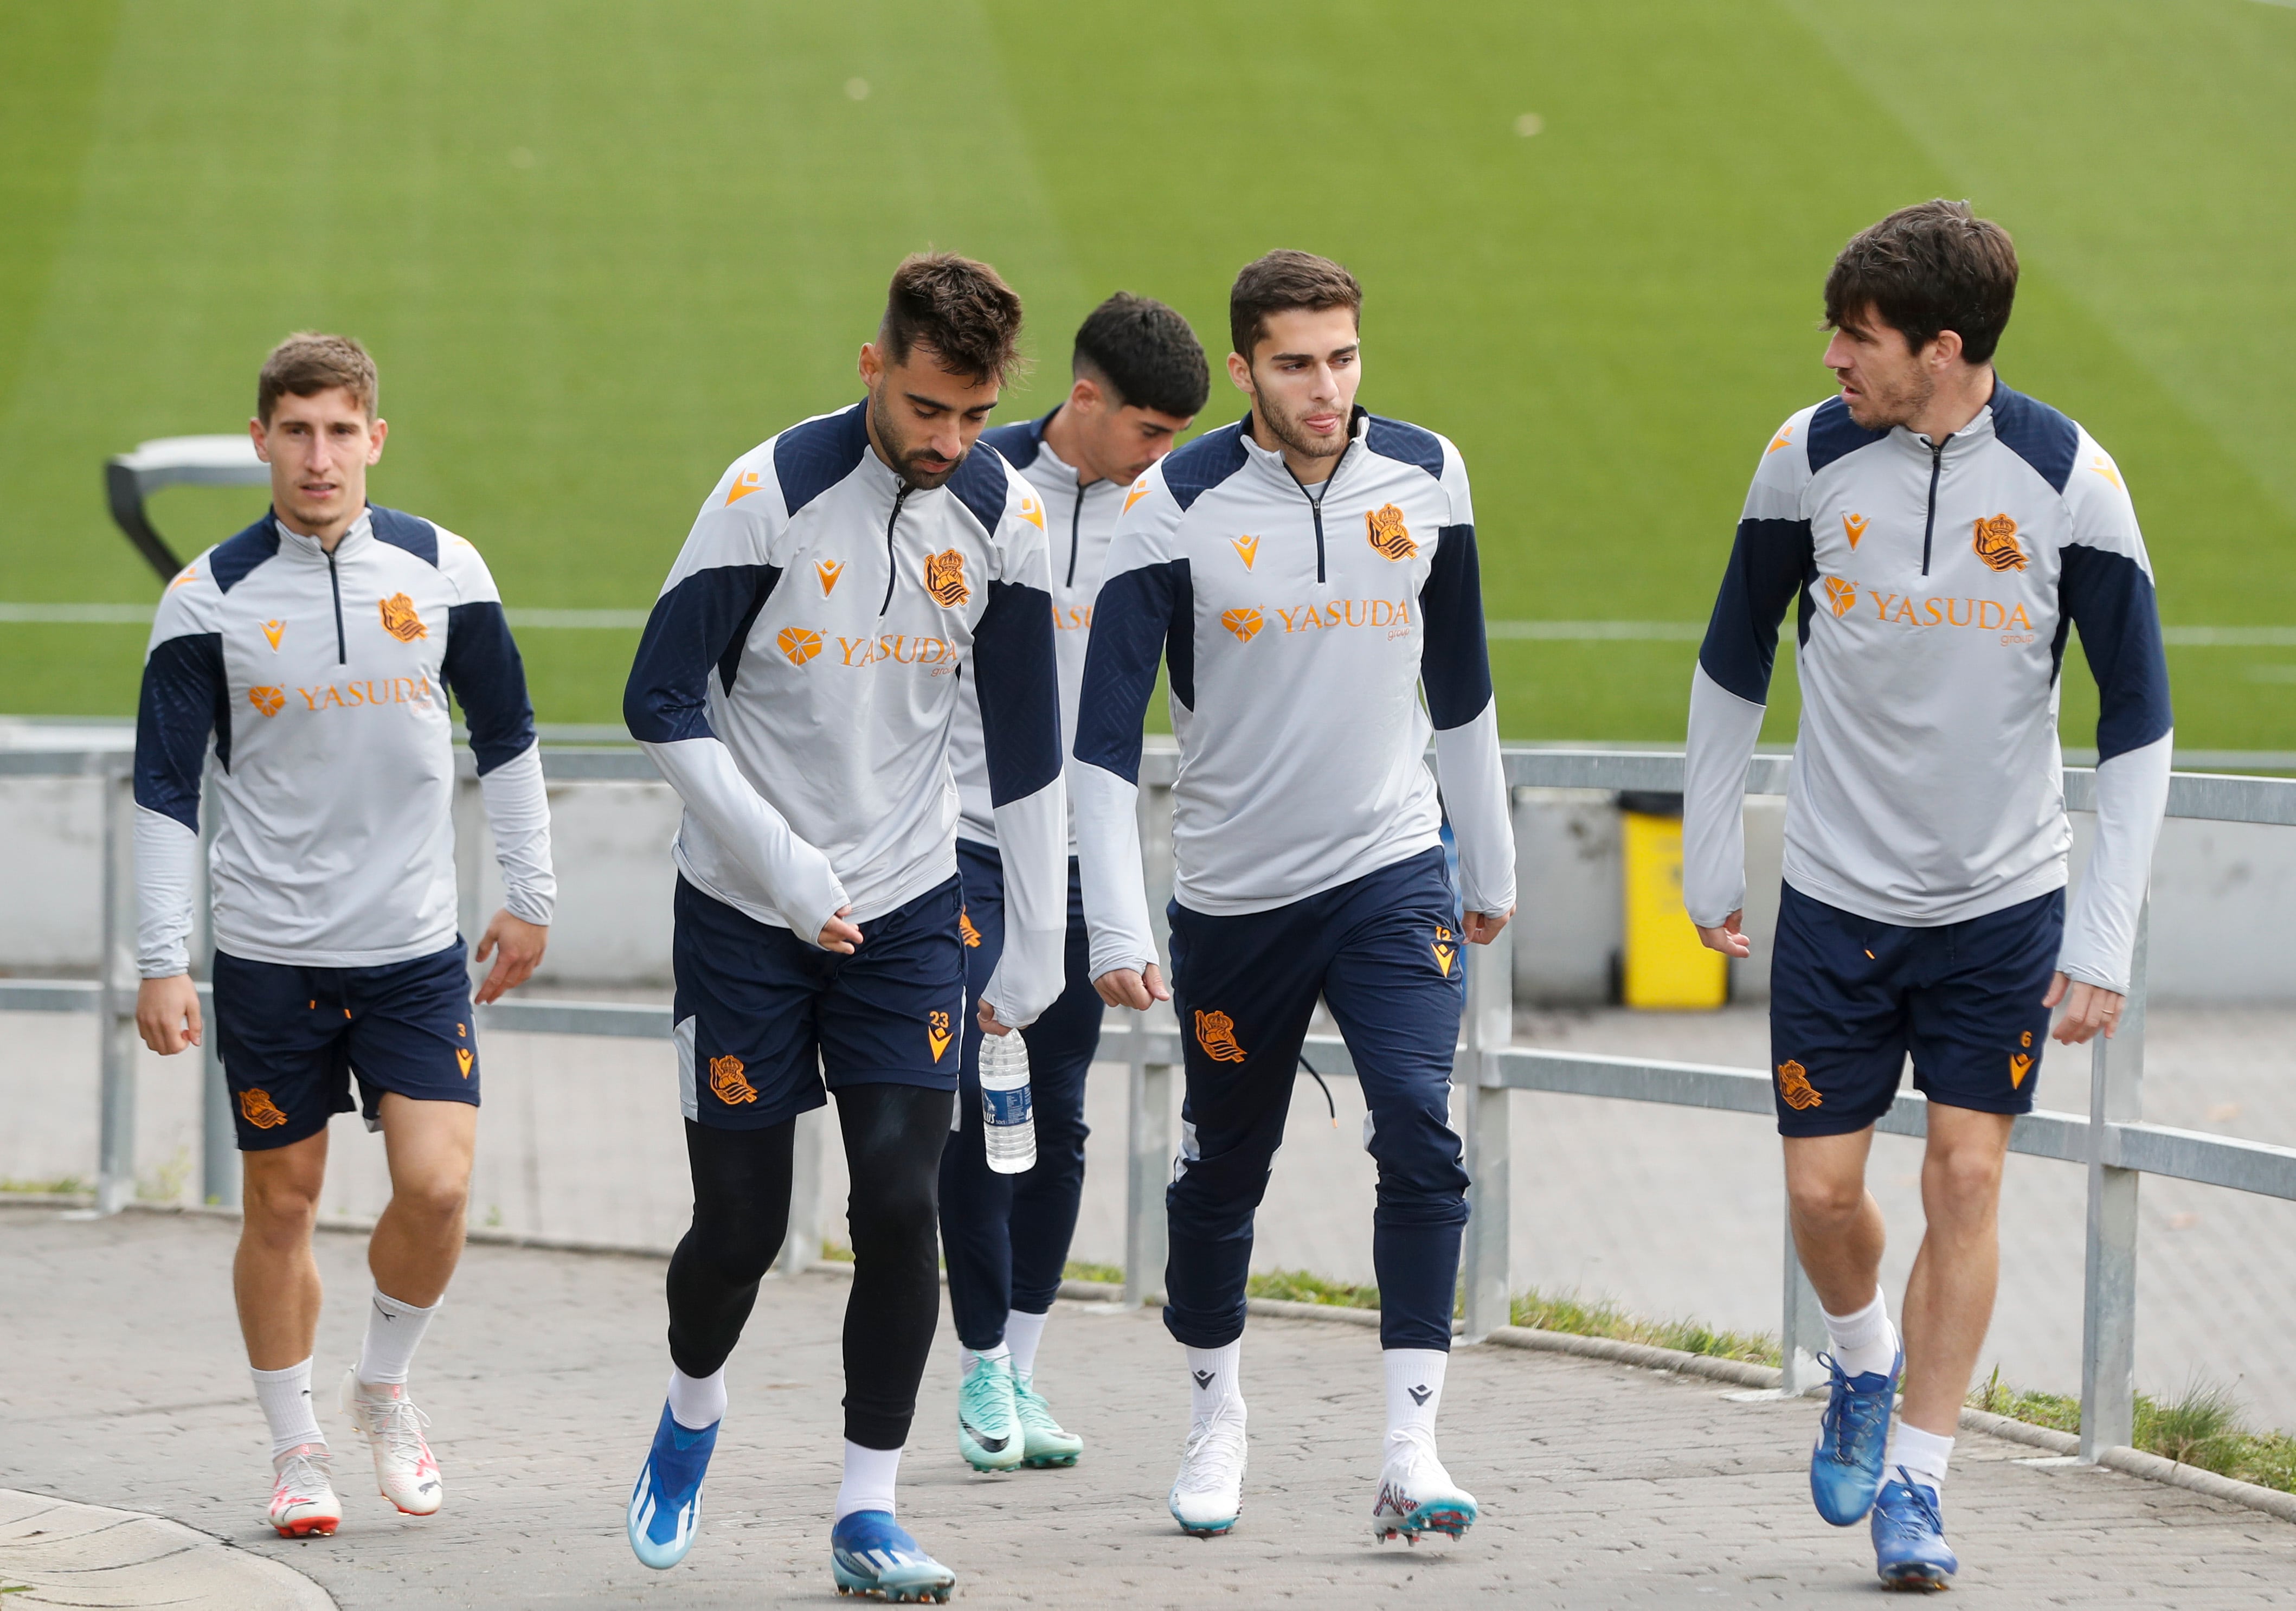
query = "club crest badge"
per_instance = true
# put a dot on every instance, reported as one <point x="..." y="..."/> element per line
<point x="1389" y="534"/>
<point x="728" y="1083"/>
<point x="1997" y="544"/>
<point x="945" y="578"/>
<point x="1794" y="1087"/>
<point x="256" y="1107"/>
<point x="399" y="619"/>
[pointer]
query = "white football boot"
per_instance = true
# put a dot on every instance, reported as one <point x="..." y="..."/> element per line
<point x="1208" y="1495"/>
<point x="404" y="1473"/>
<point x="1416" y="1495"/>
<point x="303" y="1503"/>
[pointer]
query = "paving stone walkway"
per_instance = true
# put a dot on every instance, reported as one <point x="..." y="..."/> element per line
<point x="122" y="1384"/>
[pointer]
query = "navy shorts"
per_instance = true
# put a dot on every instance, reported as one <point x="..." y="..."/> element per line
<point x="292" y="1039"/>
<point x="763" y="1015"/>
<point x="1850" y="997"/>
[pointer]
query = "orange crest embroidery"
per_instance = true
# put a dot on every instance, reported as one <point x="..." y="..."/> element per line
<point x="945" y="578"/>
<point x="2019" y="1066"/>
<point x="800" y="644"/>
<point x="1445" y="951"/>
<point x="463" y="1059"/>
<point x="1794" y="1086"/>
<point x="1997" y="544"/>
<point x="399" y="619"/>
<point x="1245" y="623"/>
<point x="258" y="1109"/>
<point x="966" y="931"/>
<point x="1840" y="593"/>
<point x="1216" y="1033"/>
<point x="1389" y="534"/>
<point x="937" y="1033"/>
<point x="269" y="701"/>
<point x="729" y="1083"/>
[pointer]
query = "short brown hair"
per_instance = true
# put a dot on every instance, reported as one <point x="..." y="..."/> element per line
<point x="1280" y="281"/>
<point x="959" y="308"/>
<point x="307" y="363"/>
<point x="1924" y="270"/>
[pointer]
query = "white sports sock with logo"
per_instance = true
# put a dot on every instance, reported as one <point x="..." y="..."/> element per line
<point x="394" y="1331"/>
<point x="1022" y="1332"/>
<point x="285" y="1396"/>
<point x="966" y="1357"/>
<point x="868" y="1483"/>
<point x="1415" y="1392"/>
<point x="1215" y="1379"/>
<point x="1865" y="1342"/>
<point x="697" y="1402"/>
<point x="1922" y="1454"/>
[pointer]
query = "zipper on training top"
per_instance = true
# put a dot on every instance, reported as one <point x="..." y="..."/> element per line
<point x="892" y="520"/>
<point x="334" y="583"/>
<point x="1316" y="500"/>
<point x="1076" y="520"/>
<point x="1928" y="525"/>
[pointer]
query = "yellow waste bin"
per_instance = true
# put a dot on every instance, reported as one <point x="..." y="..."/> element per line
<point x="1666" y="966"/>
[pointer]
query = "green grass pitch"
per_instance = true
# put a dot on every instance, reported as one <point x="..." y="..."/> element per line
<point x="600" y="249"/>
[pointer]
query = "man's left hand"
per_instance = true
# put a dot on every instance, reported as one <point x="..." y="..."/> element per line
<point x="516" y="945"/>
<point x="1483" y="927"/>
<point x="2088" y="1008"/>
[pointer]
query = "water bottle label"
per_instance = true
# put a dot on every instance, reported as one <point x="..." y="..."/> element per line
<point x="1001" y="1108"/>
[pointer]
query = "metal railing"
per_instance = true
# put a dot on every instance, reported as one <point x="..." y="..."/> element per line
<point x="2112" y="1142"/>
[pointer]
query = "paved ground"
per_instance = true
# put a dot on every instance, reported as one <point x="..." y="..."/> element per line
<point x="56" y="1553"/>
<point x="1669" y="1210"/>
<point x="121" y="1383"/>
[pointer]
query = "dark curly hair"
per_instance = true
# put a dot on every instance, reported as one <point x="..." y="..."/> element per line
<point x="1926" y="270"/>
<point x="962" y="311"/>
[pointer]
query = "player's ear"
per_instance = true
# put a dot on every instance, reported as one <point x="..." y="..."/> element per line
<point x="375" y="432"/>
<point x="1239" y="370"/>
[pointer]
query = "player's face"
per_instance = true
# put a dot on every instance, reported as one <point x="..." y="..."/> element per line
<point x="318" y="448"/>
<point x="1120" y="442"/>
<point x="1884" y="381"/>
<point x="1302" y="376"/>
<point x="923" y="419"/>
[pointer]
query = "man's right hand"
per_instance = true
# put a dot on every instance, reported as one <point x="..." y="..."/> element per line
<point x="838" y="935"/>
<point x="168" y="1013"/>
<point x="1727" y="938"/>
<point x="1139" y="989"/>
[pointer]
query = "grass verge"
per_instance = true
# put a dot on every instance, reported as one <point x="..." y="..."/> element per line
<point x="2204" y="1427"/>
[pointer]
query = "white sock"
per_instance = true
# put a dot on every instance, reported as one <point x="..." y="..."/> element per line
<point x="1922" y="1454"/>
<point x="394" y="1331"/>
<point x="1863" y="1342"/>
<point x="868" y="1483"/>
<point x="285" y="1396"/>
<point x="1415" y="1392"/>
<point x="697" y="1402"/>
<point x="966" y="1357"/>
<point x="1215" y="1379"/>
<point x="1022" y="1332"/>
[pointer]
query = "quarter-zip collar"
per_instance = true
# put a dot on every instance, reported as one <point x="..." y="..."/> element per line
<point x="1271" y="460"/>
<point x="362" y="532"/>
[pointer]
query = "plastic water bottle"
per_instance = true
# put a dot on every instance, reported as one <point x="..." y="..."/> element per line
<point x="1008" y="1122"/>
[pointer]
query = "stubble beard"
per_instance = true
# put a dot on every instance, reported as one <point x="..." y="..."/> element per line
<point x="1901" y="406"/>
<point x="1295" y="436"/>
<point x="905" y="461"/>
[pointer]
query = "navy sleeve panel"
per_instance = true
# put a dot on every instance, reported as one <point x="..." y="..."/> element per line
<point x="1455" y="661"/>
<point x="411" y="532"/>
<point x="980" y="484"/>
<point x="1770" y="562"/>
<point x="184" y="700"/>
<point x="1396" y="439"/>
<point x="1194" y="470"/>
<point x="811" y="458"/>
<point x="1833" y="434"/>
<point x="2110" y="598"/>
<point x="1021" y="441"/>
<point x="701" y="623"/>
<point x="236" y="555"/>
<point x="2039" y="435"/>
<point x="484" y="673"/>
<point x="1019" y="685"/>
<point x="1136" y="614"/>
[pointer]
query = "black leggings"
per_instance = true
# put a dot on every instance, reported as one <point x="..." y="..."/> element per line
<point x="893" y="1139"/>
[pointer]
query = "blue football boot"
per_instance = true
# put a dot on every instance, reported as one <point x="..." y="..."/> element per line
<point x="1909" y="1547"/>
<point x="869" y="1554"/>
<point x="666" y="1505"/>
<point x="1845" y="1469"/>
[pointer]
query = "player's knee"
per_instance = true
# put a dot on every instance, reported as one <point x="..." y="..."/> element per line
<point x="279" y="1207"/>
<point x="1835" y="1199"/>
<point x="898" y="1212"/>
<point x="437" y="1200"/>
<point x="1963" y="1176"/>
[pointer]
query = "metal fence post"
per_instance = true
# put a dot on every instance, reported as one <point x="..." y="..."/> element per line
<point x="1148" y="1163"/>
<point x="802" y="1244"/>
<point x="2116" y="1085"/>
<point x="1801" y="1329"/>
<point x="115" y="1169"/>
<point x="1483" y="1116"/>
<point x="470" y="818"/>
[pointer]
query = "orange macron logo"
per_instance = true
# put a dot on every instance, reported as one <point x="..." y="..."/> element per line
<point x="799" y="643"/>
<point x="269" y="701"/>
<point x="945" y="578"/>
<point x="1216" y="1033"/>
<point x="1246" y="549"/>
<point x="1997" y="544"/>
<point x="1841" y="594"/>
<point x="256" y="1107"/>
<point x="463" y="1059"/>
<point x="744" y="484"/>
<point x="2102" y="466"/>
<point x="728" y="1083"/>
<point x="1388" y="533"/>
<point x="1245" y="623"/>
<point x="184" y="578"/>
<point x="1032" y="511"/>
<point x="1445" y="951"/>
<point x="937" y="1033"/>
<point x="828" y="570"/>
<point x="2019" y="1066"/>
<point x="273" y="630"/>
<point x="965" y="931"/>
<point x="1794" y="1086"/>
<point x="1783" y="440"/>
<point x="1139" y="491"/>
<point x="1853" y="527"/>
<point x="399" y="619"/>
